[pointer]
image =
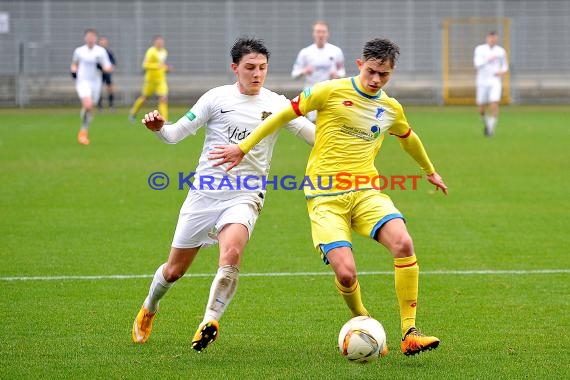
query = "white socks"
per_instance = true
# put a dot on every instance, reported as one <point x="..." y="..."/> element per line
<point x="222" y="291"/>
<point x="491" y="123"/>
<point x="158" y="289"/>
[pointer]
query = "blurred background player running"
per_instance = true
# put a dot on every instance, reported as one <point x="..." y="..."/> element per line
<point x="155" y="67"/>
<point x="491" y="63"/>
<point x="319" y="61"/>
<point x="88" y="78"/>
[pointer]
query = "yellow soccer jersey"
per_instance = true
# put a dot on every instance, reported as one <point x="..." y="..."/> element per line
<point x="154" y="64"/>
<point x="350" y="130"/>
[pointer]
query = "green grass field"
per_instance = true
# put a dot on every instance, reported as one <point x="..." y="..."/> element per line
<point x="494" y="256"/>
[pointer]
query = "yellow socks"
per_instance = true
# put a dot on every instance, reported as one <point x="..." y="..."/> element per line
<point x="137" y="106"/>
<point x="352" y="298"/>
<point x="407" y="273"/>
<point x="163" y="109"/>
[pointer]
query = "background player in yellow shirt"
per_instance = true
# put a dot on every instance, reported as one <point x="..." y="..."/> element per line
<point x="353" y="114"/>
<point x="155" y="67"/>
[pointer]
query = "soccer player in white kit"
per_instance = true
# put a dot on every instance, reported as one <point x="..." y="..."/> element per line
<point x="319" y="61"/>
<point x="88" y="78"/>
<point x="221" y="207"/>
<point x="491" y="63"/>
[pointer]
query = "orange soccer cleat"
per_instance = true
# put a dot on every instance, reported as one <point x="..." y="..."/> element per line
<point x="142" y="325"/>
<point x="415" y="342"/>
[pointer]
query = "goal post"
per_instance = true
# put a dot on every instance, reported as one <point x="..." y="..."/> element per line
<point x="460" y="36"/>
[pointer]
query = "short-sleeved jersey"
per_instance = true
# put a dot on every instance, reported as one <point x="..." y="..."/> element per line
<point x="350" y="129"/>
<point x="154" y="61"/>
<point x="323" y="60"/>
<point x="229" y="117"/>
<point x="87" y="60"/>
<point x="489" y="61"/>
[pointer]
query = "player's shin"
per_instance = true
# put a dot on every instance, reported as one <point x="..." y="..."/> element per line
<point x="352" y="298"/>
<point x="157" y="290"/>
<point x="406" y="278"/>
<point x="492" y="122"/>
<point x="222" y="291"/>
<point x="86" y="120"/>
<point x="86" y="117"/>
<point x="137" y="106"/>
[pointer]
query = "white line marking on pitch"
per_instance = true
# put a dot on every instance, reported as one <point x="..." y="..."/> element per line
<point x="292" y="274"/>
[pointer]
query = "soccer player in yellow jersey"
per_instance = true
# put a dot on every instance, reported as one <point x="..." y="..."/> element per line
<point x="155" y="67"/>
<point x="353" y="115"/>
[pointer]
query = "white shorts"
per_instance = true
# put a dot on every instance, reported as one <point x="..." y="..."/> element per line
<point x="488" y="93"/>
<point x="91" y="89"/>
<point x="202" y="217"/>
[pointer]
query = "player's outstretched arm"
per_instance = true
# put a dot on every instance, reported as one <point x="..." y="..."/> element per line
<point x="170" y="133"/>
<point x="233" y="154"/>
<point x="412" y="144"/>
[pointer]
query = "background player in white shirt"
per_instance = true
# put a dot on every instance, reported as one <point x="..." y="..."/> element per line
<point x="228" y="215"/>
<point x="319" y="61"/>
<point x="491" y="63"/>
<point x="88" y="78"/>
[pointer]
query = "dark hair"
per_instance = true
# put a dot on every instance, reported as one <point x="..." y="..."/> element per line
<point x="492" y="33"/>
<point x="156" y="37"/>
<point x="90" y="30"/>
<point x="382" y="50"/>
<point x="247" y="45"/>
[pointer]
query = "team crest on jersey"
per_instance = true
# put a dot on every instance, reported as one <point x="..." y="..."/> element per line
<point x="379" y="112"/>
<point x="265" y="115"/>
<point x="375" y="131"/>
<point x="347" y="103"/>
<point x="307" y="92"/>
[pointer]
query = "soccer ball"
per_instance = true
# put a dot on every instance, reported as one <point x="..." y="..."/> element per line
<point x="361" y="339"/>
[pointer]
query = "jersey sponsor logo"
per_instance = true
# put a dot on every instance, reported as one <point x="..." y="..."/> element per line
<point x="379" y="112"/>
<point x="190" y="115"/>
<point x="307" y="92"/>
<point x="265" y="115"/>
<point x="347" y="103"/>
<point x="360" y="133"/>
<point x="237" y="134"/>
<point x="225" y="111"/>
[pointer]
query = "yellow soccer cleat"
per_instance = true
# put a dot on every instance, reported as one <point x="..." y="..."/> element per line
<point x="142" y="325"/>
<point x="207" y="333"/>
<point x="415" y="342"/>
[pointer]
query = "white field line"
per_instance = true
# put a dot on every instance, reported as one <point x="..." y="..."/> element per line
<point x="296" y="274"/>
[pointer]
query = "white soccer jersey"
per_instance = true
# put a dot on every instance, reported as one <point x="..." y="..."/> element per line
<point x="489" y="61"/>
<point x="323" y="61"/>
<point x="87" y="60"/>
<point x="229" y="117"/>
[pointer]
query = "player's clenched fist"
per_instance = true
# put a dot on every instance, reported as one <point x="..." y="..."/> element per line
<point x="153" y="120"/>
